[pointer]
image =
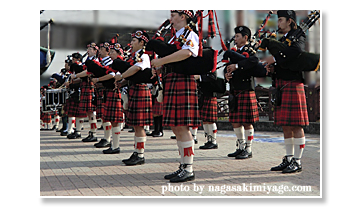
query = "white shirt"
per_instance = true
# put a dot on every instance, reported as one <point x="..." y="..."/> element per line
<point x="145" y="63"/>
<point x="192" y="41"/>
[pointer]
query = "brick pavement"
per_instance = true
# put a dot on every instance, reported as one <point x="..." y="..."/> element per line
<point x="74" y="168"/>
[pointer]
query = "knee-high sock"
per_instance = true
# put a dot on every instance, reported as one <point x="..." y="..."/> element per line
<point x="116" y="137"/>
<point x="79" y="122"/>
<point x="140" y="145"/>
<point x="289" y="147"/>
<point x="107" y="131"/>
<point x="240" y="142"/>
<point x="188" y="149"/>
<point x="249" y="137"/>
<point x="71" y="124"/>
<point x="206" y="131"/>
<point x="57" y="120"/>
<point x="193" y="131"/>
<point x="212" y="132"/>
<point x="93" y="127"/>
<point x="299" y="145"/>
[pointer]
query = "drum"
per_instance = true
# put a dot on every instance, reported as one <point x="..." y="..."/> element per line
<point x="56" y="97"/>
<point x="45" y="108"/>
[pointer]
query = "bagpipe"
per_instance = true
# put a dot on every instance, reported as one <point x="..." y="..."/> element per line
<point x="206" y="60"/>
<point x="118" y="65"/>
<point x="305" y="61"/>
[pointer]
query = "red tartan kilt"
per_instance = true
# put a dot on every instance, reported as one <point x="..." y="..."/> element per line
<point x="99" y="103"/>
<point x="247" y="110"/>
<point x="157" y="107"/>
<point x="208" y="112"/>
<point x="87" y="90"/>
<point x="180" y="101"/>
<point x="73" y="110"/>
<point x="112" y="111"/>
<point x="293" y="109"/>
<point x="45" y="117"/>
<point x="140" y="106"/>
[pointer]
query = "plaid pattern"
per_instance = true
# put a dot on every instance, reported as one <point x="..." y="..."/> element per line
<point x="87" y="90"/>
<point x="247" y="110"/>
<point x="208" y="112"/>
<point x="180" y="101"/>
<point x="112" y="111"/>
<point x="293" y="109"/>
<point x="140" y="106"/>
<point x="99" y="102"/>
<point x="157" y="107"/>
<point x="211" y="27"/>
<point x="73" y="110"/>
<point x="45" y="117"/>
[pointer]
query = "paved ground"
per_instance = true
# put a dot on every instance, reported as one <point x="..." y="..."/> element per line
<point x="73" y="168"/>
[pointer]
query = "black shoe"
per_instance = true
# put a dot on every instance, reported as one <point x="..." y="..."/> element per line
<point x="174" y="174"/>
<point x="209" y="145"/>
<point x="184" y="176"/>
<point x="173" y="137"/>
<point x="63" y="133"/>
<point x="293" y="167"/>
<point x="90" y="138"/>
<point x="236" y="153"/>
<point x="101" y="128"/>
<point x="102" y="143"/>
<point x="135" y="160"/>
<point x="282" y="165"/>
<point x="132" y="156"/>
<point x="74" y="135"/>
<point x="148" y="133"/>
<point x="132" y="130"/>
<point x="112" y="151"/>
<point x="158" y="134"/>
<point x="244" y="155"/>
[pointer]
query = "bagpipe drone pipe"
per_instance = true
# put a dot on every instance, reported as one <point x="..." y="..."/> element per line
<point x="247" y="63"/>
<point x="206" y="60"/>
<point x="142" y="76"/>
<point x="304" y="61"/>
<point x="190" y="66"/>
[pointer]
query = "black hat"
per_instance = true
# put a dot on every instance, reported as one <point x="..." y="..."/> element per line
<point x="243" y="30"/>
<point x="117" y="47"/>
<point x="93" y="45"/>
<point x="189" y="13"/>
<point x="76" y="55"/>
<point x="142" y="35"/>
<point x="287" y="13"/>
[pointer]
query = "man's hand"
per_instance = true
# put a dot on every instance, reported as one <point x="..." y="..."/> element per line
<point x="156" y="63"/>
<point x="118" y="77"/>
<point x="230" y="68"/>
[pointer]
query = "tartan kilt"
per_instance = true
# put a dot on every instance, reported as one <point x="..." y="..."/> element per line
<point x="157" y="107"/>
<point x="45" y="117"/>
<point x="73" y="109"/>
<point x="140" y="106"/>
<point x="247" y="110"/>
<point x="208" y="112"/>
<point x="86" y="94"/>
<point x="112" y="111"/>
<point x="99" y="102"/>
<point x="293" y="109"/>
<point x="180" y="101"/>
